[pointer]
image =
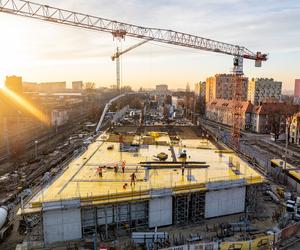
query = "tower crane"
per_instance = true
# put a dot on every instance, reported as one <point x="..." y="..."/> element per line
<point x="116" y="57"/>
<point x="122" y="29"/>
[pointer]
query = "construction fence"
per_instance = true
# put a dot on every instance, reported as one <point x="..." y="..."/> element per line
<point x="261" y="243"/>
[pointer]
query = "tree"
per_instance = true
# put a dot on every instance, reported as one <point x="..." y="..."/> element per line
<point x="89" y="86"/>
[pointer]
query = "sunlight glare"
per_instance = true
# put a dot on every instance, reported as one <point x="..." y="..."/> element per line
<point x="28" y="106"/>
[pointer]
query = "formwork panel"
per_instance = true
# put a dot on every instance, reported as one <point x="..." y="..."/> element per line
<point x="160" y="211"/>
<point x="62" y="225"/>
<point x="224" y="202"/>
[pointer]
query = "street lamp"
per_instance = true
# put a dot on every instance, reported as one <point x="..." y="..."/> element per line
<point x="36" y="148"/>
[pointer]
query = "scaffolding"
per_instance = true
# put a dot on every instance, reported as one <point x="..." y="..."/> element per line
<point x="113" y="220"/>
<point x="181" y="214"/>
<point x="189" y="208"/>
<point x="252" y="198"/>
<point x="197" y="207"/>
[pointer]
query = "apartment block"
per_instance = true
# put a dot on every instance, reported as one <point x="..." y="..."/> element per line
<point x="77" y="85"/>
<point x="297" y="91"/>
<point x="52" y="86"/>
<point x="295" y="129"/>
<point x="14" y="83"/>
<point x="30" y="87"/>
<point x="200" y="97"/>
<point x="264" y="89"/>
<point x="220" y="110"/>
<point x="221" y="86"/>
<point x="161" y="88"/>
<point x="266" y="117"/>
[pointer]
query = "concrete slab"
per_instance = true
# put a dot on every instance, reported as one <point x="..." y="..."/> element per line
<point x="81" y="180"/>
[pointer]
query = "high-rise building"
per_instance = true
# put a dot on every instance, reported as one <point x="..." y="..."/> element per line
<point x="200" y="97"/>
<point x="264" y="89"/>
<point x="14" y="83"/>
<point x="199" y="89"/>
<point x="77" y="85"/>
<point x="221" y="86"/>
<point x="297" y="91"/>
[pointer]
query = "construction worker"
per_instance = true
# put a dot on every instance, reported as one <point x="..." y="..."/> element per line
<point x="99" y="171"/>
<point x="123" y="166"/>
<point x="182" y="169"/>
<point x="133" y="178"/>
<point x="116" y="167"/>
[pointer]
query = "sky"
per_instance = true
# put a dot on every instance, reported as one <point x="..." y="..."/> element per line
<point x="40" y="51"/>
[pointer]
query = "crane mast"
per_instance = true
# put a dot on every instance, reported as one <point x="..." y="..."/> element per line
<point x="120" y="30"/>
<point x="116" y="57"/>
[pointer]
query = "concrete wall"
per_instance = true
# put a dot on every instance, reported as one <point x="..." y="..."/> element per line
<point x="224" y="202"/>
<point x="160" y="211"/>
<point x="61" y="221"/>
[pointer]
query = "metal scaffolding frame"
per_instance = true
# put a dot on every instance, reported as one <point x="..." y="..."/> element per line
<point x="181" y="211"/>
<point x="252" y="198"/>
<point x="197" y="207"/>
<point x="189" y="208"/>
<point x="112" y="220"/>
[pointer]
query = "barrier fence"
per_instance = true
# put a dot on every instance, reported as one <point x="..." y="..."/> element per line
<point x="261" y="243"/>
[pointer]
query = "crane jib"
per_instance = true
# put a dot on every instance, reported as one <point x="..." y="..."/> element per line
<point x="121" y="29"/>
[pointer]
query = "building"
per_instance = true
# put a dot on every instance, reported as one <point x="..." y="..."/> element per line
<point x="14" y="83"/>
<point x="52" y="86"/>
<point x="59" y="117"/>
<point x="297" y="91"/>
<point x="77" y="85"/>
<point x="221" y="86"/>
<point x="268" y="117"/>
<point x="30" y="87"/>
<point x="200" y="97"/>
<point x="264" y="89"/>
<point x="295" y="129"/>
<point x="161" y="88"/>
<point x="220" y="110"/>
<point x="200" y="89"/>
<point x="81" y="202"/>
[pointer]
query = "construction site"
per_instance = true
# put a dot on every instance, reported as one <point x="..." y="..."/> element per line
<point x="197" y="180"/>
<point x="119" y="169"/>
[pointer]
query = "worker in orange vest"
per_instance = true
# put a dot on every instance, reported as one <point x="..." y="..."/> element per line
<point x="99" y="170"/>
<point x="123" y="166"/>
<point x="116" y="167"/>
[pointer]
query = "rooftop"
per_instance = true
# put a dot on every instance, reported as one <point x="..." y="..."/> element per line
<point x="80" y="179"/>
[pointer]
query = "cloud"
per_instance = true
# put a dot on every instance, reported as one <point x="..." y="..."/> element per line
<point x="269" y="26"/>
<point x="263" y="25"/>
